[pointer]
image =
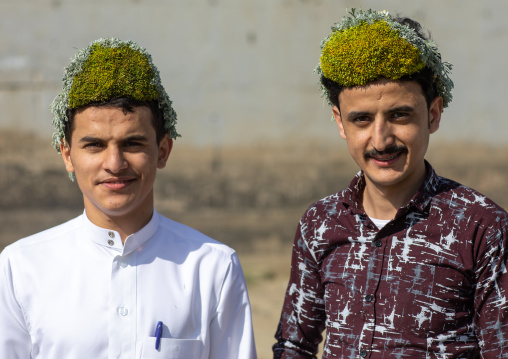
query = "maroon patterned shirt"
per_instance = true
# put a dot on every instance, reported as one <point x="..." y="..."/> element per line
<point x="432" y="283"/>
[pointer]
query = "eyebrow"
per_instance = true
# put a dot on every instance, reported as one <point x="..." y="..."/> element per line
<point x="355" y="114"/>
<point x="88" y="139"/>
<point x="401" y="109"/>
<point x="138" y="138"/>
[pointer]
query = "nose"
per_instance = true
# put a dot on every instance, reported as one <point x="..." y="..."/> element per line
<point x="114" y="161"/>
<point x="382" y="136"/>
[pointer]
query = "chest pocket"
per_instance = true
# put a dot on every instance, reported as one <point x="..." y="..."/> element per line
<point x="171" y="348"/>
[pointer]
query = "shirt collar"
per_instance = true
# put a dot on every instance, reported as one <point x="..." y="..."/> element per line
<point x="112" y="240"/>
<point x="427" y="190"/>
<point x="353" y="193"/>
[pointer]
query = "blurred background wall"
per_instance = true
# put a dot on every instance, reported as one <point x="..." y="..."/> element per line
<point x="241" y="71"/>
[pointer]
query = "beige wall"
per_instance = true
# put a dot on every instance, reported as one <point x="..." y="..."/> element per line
<point x="240" y="71"/>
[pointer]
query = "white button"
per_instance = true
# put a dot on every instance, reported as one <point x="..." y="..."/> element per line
<point x="123" y="311"/>
<point x="122" y="263"/>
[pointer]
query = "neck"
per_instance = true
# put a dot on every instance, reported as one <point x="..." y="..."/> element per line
<point x="125" y="225"/>
<point x="383" y="202"/>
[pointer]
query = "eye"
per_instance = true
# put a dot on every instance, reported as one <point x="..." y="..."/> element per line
<point x="93" y="145"/>
<point x="132" y="144"/>
<point x="400" y="114"/>
<point x="361" y="120"/>
<point x="401" y="117"/>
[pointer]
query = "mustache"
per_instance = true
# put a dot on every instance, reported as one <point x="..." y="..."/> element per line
<point x="388" y="151"/>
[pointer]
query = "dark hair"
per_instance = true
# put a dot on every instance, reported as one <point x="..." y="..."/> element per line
<point x="424" y="77"/>
<point x="127" y="105"/>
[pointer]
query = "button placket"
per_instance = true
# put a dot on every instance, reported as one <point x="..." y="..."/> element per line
<point x="368" y="313"/>
<point x="123" y="306"/>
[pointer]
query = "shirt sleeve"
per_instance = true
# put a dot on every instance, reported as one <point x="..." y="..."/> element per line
<point x="303" y="313"/>
<point x="491" y="292"/>
<point x="15" y="340"/>
<point x="232" y="336"/>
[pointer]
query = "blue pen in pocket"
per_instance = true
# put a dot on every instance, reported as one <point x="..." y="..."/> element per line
<point x="158" y="335"/>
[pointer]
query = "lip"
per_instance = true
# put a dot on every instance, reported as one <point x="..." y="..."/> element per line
<point x="115" y="184"/>
<point x="387" y="160"/>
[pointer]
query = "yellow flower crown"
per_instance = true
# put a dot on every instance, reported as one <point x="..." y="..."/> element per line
<point x="113" y="72"/>
<point x="106" y="69"/>
<point x="369" y="45"/>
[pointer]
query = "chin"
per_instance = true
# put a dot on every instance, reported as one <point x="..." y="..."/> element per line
<point x="386" y="180"/>
<point x="116" y="209"/>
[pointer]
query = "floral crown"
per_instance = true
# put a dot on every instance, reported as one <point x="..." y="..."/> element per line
<point x="106" y="69"/>
<point x="369" y="45"/>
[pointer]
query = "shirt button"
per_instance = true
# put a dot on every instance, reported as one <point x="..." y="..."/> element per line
<point x="378" y="243"/>
<point x="111" y="234"/>
<point x="122" y="263"/>
<point x="363" y="353"/>
<point x="123" y="311"/>
<point x="111" y="242"/>
<point x="368" y="298"/>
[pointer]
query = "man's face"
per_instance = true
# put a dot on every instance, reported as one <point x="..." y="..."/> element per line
<point x="387" y="126"/>
<point x="115" y="156"/>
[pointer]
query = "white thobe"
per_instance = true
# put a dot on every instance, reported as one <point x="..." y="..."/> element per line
<point x="75" y="291"/>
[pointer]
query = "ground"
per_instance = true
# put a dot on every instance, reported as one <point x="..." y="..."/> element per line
<point x="247" y="197"/>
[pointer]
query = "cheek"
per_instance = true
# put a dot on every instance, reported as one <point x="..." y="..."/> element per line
<point x="83" y="164"/>
<point x="357" y="142"/>
<point x="357" y="153"/>
<point x="86" y="166"/>
<point x="418" y="138"/>
<point x="146" y="163"/>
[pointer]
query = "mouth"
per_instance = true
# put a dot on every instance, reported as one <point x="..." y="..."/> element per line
<point x="386" y="157"/>
<point x="117" y="183"/>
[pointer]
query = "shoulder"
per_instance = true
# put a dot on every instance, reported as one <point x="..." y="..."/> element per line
<point x="329" y="207"/>
<point x="42" y="248"/>
<point x="194" y="252"/>
<point x="469" y="213"/>
<point x="337" y="206"/>
<point x="322" y="222"/>
<point x="456" y="197"/>
<point x="48" y="236"/>
<point x="183" y="236"/>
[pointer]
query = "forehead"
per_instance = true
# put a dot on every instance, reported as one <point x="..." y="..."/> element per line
<point x="113" y="120"/>
<point x="383" y="93"/>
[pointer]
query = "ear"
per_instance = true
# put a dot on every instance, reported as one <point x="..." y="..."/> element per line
<point x="338" y="120"/>
<point x="435" y="110"/>
<point x="165" y="148"/>
<point x="65" y="150"/>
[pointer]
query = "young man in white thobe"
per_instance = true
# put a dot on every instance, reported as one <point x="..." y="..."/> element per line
<point x="120" y="280"/>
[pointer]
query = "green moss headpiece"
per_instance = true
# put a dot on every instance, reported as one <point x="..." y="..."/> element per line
<point x="370" y="45"/>
<point x="107" y="69"/>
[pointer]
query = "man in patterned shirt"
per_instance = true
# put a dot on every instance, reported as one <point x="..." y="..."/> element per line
<point x="402" y="263"/>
